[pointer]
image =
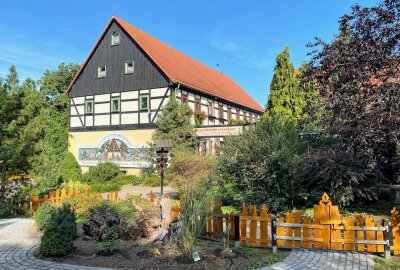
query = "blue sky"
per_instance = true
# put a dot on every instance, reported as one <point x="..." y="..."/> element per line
<point x="243" y="37"/>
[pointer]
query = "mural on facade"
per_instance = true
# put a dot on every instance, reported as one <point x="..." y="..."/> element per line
<point x="114" y="148"/>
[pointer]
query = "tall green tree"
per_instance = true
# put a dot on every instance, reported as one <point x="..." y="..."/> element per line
<point x="283" y="97"/>
<point x="54" y="143"/>
<point x="175" y="123"/>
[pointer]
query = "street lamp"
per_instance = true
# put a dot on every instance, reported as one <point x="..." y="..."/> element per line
<point x="308" y="135"/>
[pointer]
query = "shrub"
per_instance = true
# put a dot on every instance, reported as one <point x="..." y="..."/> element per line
<point x="44" y="214"/>
<point x="151" y="181"/>
<point x="262" y="165"/>
<point x="110" y="241"/>
<point x="107" y="247"/>
<point x="74" y="184"/>
<point x="195" y="210"/>
<point x="103" y="172"/>
<point x="69" y="169"/>
<point x="59" y="234"/>
<point x="345" y="176"/>
<point x="138" y="201"/>
<point x="189" y="169"/>
<point x="105" y="187"/>
<point x="82" y="205"/>
<point x="106" y="215"/>
<point x="129" y="179"/>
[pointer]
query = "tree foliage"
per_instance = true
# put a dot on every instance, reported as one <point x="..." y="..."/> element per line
<point x="358" y="80"/>
<point x="175" y="123"/>
<point x="292" y="93"/>
<point x="34" y="121"/>
<point x="261" y="166"/>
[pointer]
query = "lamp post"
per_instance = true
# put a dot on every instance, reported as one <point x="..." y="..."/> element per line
<point x="308" y="135"/>
<point x="162" y="159"/>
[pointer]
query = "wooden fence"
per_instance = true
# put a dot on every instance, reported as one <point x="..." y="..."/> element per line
<point x="327" y="230"/>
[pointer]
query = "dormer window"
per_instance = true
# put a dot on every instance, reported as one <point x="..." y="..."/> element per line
<point x="101" y="72"/>
<point x="115" y="39"/>
<point x="129" y="68"/>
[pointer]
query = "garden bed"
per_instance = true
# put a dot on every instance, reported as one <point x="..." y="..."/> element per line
<point x="136" y="255"/>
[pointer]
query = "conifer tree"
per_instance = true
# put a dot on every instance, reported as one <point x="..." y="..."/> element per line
<point x="283" y="95"/>
<point x="175" y="123"/>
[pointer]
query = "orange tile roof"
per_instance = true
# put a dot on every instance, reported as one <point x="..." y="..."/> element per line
<point x="180" y="68"/>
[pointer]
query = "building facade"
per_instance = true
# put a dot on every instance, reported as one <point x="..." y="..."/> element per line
<point x="120" y="89"/>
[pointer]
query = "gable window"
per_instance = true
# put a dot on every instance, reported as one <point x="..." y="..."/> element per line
<point x="197" y="105"/>
<point x="115" y="38"/>
<point x="211" y="109"/>
<point x="101" y="72"/>
<point x="129" y="69"/>
<point x="220" y="112"/>
<point x="229" y="113"/>
<point x="115" y="104"/>
<point x="144" y="102"/>
<point x="89" y="106"/>
<point x="185" y="99"/>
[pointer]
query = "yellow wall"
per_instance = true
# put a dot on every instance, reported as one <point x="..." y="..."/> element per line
<point x="91" y="138"/>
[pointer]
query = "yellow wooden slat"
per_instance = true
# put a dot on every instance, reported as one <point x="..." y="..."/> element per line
<point x="280" y="231"/>
<point x="297" y="231"/>
<point x="253" y="226"/>
<point x="264" y="226"/>
<point x="349" y="234"/>
<point x="371" y="235"/>
<point x="360" y="234"/>
<point x="307" y="233"/>
<point x="289" y="230"/>
<point x="243" y="225"/>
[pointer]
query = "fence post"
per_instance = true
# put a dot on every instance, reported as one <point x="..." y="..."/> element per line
<point x="237" y="231"/>
<point x="387" y="235"/>
<point x="273" y="233"/>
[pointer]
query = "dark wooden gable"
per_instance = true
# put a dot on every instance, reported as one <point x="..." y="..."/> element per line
<point x="145" y="76"/>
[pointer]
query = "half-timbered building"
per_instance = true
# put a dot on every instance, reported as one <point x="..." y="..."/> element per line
<point x="121" y="87"/>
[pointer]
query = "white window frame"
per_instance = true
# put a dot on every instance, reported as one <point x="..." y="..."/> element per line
<point x="148" y="102"/>
<point x="112" y="104"/>
<point x="101" y="74"/>
<point x="86" y="106"/>
<point x="126" y="67"/>
<point x="115" y="38"/>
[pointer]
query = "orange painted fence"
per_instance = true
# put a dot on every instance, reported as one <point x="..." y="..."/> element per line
<point x="326" y="231"/>
<point x="395" y="225"/>
<point x="259" y="229"/>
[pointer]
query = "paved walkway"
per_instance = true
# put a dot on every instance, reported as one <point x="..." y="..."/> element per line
<point x="317" y="259"/>
<point x="18" y="243"/>
<point x="17" y="246"/>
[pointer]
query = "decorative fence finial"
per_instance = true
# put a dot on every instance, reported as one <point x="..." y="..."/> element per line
<point x="325" y="200"/>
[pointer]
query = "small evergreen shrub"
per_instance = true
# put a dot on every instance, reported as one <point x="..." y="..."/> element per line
<point x="69" y="169"/>
<point x="110" y="242"/>
<point x="59" y="233"/>
<point x="103" y="172"/>
<point x="44" y="214"/>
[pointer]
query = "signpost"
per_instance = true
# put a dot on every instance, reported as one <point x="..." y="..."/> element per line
<point x="162" y="159"/>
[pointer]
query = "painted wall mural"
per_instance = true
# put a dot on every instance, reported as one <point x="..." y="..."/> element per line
<point x="115" y="148"/>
